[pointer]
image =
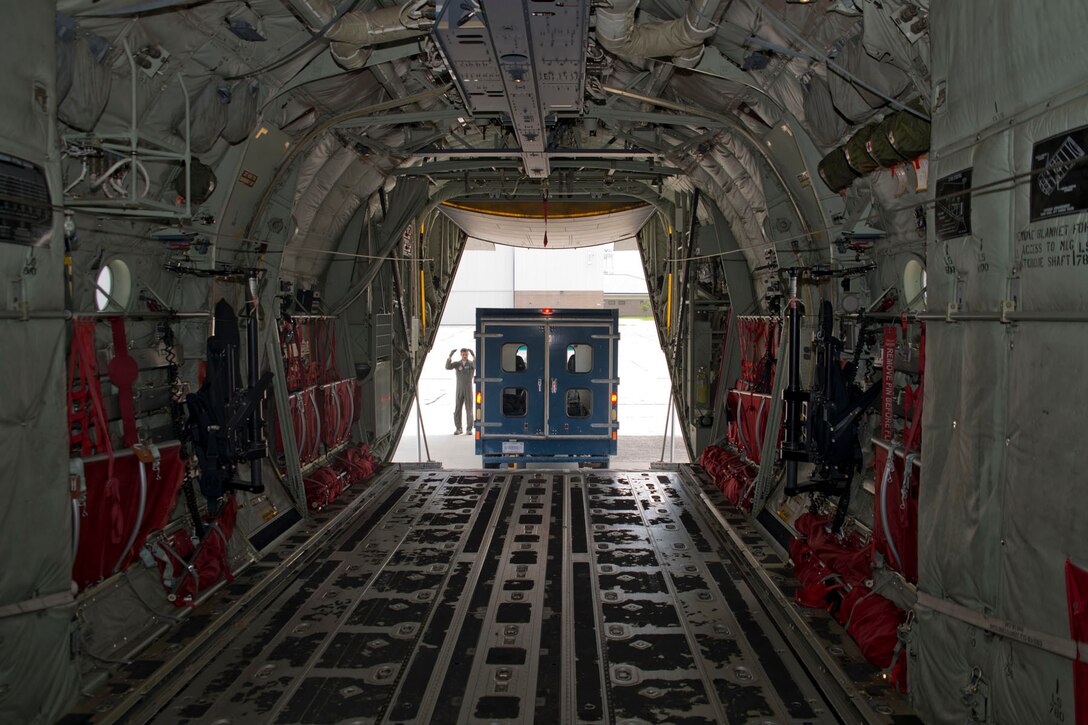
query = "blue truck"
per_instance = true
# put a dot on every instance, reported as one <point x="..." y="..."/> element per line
<point x="546" y="386"/>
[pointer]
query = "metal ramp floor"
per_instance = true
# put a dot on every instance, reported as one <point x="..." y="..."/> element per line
<point x="512" y="596"/>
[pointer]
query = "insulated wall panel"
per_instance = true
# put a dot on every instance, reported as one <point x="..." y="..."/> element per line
<point x="38" y="671"/>
<point x="1003" y="505"/>
<point x="988" y="252"/>
<point x="995" y="58"/>
<point x="939" y="673"/>
<point x="1045" y="517"/>
<point x="960" y="505"/>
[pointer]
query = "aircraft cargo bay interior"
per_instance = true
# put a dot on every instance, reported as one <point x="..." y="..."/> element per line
<point x="762" y="324"/>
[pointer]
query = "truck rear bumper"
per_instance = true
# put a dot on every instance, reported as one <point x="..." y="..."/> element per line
<point x="555" y="450"/>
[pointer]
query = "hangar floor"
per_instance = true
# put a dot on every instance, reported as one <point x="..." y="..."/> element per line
<point x="516" y="596"/>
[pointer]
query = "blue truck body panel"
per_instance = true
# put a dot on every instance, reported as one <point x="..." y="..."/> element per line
<point x="545" y="384"/>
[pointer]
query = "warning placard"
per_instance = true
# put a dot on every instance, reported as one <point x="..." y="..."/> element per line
<point x="1059" y="175"/>
<point x="953" y="205"/>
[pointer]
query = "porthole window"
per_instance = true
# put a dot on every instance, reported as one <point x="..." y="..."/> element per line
<point x="103" y="288"/>
<point x="914" y="285"/>
<point x="515" y="356"/>
<point x="112" y="287"/>
<point x="579" y="358"/>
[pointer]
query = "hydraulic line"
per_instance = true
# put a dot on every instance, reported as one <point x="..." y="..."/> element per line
<point x="884" y="507"/>
<point x="139" y="519"/>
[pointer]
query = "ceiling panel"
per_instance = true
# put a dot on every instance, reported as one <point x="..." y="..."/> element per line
<point x="563" y="232"/>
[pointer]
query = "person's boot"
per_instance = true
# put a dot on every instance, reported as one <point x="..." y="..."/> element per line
<point x="457" y="432"/>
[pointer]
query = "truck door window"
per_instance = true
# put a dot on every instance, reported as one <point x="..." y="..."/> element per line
<point x="515" y="356"/>
<point x="579" y="403"/>
<point x="514" y="402"/>
<point x="579" y="358"/>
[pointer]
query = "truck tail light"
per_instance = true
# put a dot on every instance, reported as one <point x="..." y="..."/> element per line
<point x="477" y="434"/>
<point x="613" y="435"/>
<point x="480" y="397"/>
<point x="614" y="398"/>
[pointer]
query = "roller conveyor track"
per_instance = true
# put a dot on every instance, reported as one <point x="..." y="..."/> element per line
<point x="551" y="596"/>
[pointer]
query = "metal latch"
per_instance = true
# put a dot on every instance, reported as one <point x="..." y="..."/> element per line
<point x="1007" y="306"/>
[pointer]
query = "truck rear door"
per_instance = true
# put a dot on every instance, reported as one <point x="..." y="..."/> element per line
<point x="512" y="379"/>
<point x="581" y="369"/>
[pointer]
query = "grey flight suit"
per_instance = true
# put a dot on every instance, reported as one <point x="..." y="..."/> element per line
<point x="465" y="372"/>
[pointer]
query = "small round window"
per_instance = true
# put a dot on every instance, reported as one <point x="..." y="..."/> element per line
<point x="112" y="287"/>
<point x="103" y="288"/>
<point x="914" y="285"/>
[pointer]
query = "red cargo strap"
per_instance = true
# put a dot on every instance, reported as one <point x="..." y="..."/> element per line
<point x="1076" y="588"/>
<point x="123" y="373"/>
<point x="111" y="510"/>
<point x="292" y="356"/>
<point x="203" y="564"/>
<point x="888" y="384"/>
<point x="913" y="435"/>
<point x="873" y="622"/>
<point x="85" y="409"/>
<point x="330" y="415"/>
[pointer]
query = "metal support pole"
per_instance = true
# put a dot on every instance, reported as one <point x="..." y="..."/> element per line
<point x="256" y="425"/>
<point x="672" y="436"/>
<point x="419" y="431"/>
<point x="295" y="487"/>
<point x="422" y="428"/>
<point x="791" y="446"/>
<point x="668" y="422"/>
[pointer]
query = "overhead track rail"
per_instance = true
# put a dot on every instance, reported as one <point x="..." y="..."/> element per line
<point x="617" y="166"/>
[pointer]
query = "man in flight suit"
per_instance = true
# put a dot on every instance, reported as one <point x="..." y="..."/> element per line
<point x="465" y="372"/>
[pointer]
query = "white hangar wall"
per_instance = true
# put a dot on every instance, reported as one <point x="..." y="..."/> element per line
<point x="500" y="276"/>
